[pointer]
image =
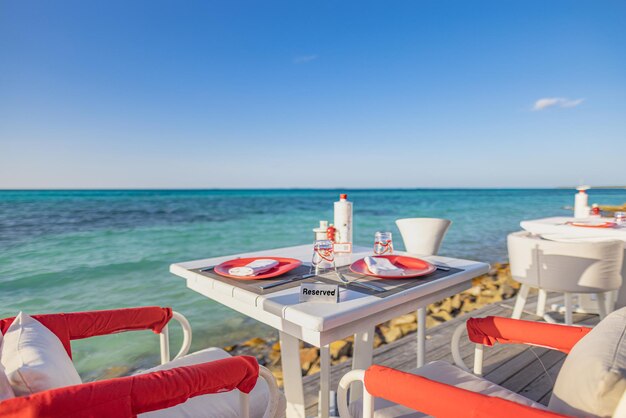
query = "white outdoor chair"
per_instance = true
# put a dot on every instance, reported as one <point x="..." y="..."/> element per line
<point x="201" y="384"/>
<point x="590" y="383"/>
<point x="422" y="236"/>
<point x="564" y="267"/>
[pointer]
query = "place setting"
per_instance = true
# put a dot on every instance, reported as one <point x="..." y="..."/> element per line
<point x="260" y="275"/>
<point x="595" y="223"/>
<point x="382" y="274"/>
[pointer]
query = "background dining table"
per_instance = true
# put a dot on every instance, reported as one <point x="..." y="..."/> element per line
<point x="560" y="229"/>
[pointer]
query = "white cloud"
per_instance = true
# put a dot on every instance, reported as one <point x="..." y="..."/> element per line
<point x="303" y="59"/>
<point x="547" y="102"/>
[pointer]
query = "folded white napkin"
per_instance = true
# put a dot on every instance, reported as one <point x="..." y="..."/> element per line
<point x="382" y="267"/>
<point x="252" y="269"/>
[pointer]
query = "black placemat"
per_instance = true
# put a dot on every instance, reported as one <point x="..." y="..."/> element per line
<point x="391" y="286"/>
<point x="254" y="285"/>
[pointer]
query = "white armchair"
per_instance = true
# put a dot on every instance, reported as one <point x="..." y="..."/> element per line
<point x="566" y="267"/>
<point x="36" y="366"/>
<point x="591" y="382"/>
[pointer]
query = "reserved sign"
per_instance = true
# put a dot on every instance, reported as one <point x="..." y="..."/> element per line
<point x="319" y="292"/>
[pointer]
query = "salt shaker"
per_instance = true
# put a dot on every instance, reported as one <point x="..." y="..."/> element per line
<point x="320" y="232"/>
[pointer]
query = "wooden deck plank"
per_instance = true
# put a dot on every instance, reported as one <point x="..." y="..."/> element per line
<point x="553" y="372"/>
<point x="535" y="390"/>
<point x="517" y="358"/>
<point x="513" y="366"/>
<point x="520" y="380"/>
<point x="508" y="365"/>
<point x="402" y="353"/>
<point x="540" y="387"/>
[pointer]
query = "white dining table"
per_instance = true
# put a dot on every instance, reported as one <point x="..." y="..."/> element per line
<point x="558" y="228"/>
<point x="319" y="324"/>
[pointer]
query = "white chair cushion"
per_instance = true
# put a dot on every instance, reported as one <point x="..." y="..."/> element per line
<point x="620" y="411"/>
<point x="218" y="405"/>
<point x="6" y="392"/>
<point x="593" y="377"/>
<point x="34" y="358"/>
<point x="445" y="373"/>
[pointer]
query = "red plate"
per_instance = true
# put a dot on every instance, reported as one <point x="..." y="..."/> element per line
<point x="284" y="265"/>
<point x="413" y="267"/>
<point x="593" y="225"/>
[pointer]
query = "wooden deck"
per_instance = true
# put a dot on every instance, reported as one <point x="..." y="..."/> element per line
<point x="515" y="367"/>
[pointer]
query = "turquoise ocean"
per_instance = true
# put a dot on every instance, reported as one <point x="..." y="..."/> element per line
<point x="66" y="251"/>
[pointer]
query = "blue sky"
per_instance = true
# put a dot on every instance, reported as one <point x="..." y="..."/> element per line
<point x="438" y="93"/>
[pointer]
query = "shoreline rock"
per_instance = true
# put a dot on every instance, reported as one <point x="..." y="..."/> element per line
<point x="495" y="286"/>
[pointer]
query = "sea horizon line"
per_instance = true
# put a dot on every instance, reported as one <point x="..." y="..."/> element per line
<point x="286" y="189"/>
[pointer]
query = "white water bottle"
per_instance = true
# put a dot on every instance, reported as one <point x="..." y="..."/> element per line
<point x="581" y="203"/>
<point x="343" y="223"/>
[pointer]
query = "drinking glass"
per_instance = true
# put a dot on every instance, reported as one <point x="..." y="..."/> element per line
<point x="620" y="218"/>
<point x="323" y="256"/>
<point x="383" y="243"/>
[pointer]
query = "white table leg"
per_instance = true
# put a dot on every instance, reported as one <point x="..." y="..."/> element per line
<point x="361" y="358"/>
<point x="601" y="297"/>
<point x="421" y="336"/>
<point x="611" y="297"/>
<point x="522" y="295"/>
<point x="541" y="302"/>
<point x="568" y="309"/>
<point x="324" y="401"/>
<point x="292" y="375"/>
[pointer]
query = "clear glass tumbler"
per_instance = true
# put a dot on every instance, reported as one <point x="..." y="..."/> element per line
<point x="323" y="256"/>
<point x="620" y="218"/>
<point x="383" y="243"/>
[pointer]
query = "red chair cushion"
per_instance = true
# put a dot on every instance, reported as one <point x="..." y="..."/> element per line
<point x="126" y="397"/>
<point x="79" y="325"/>
<point x="442" y="400"/>
<point x="494" y="329"/>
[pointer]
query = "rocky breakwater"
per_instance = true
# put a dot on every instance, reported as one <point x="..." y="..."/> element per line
<point x="492" y="287"/>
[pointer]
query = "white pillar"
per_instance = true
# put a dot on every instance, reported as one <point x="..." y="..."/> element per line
<point x="541" y="302"/>
<point x="520" y="301"/>
<point x="324" y="401"/>
<point x="292" y="375"/>
<point x="421" y="336"/>
<point x="569" y="317"/>
<point x="362" y="357"/>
